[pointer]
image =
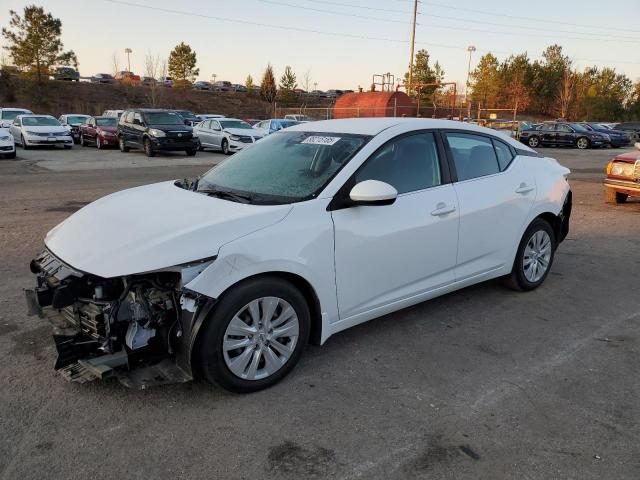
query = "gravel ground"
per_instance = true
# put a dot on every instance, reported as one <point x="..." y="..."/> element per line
<point x="484" y="383"/>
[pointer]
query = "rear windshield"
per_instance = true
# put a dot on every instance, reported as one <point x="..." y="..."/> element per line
<point x="76" y="119"/>
<point x="12" y="114"/>
<point x="106" y="122"/>
<point x="40" y="122"/>
<point x="163" y="118"/>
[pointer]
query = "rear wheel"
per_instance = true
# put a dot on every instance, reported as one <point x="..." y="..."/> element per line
<point x="123" y="145"/>
<point x="583" y="143"/>
<point x="255" y="336"/>
<point x="534" y="257"/>
<point x="148" y="148"/>
<point x="533" y="142"/>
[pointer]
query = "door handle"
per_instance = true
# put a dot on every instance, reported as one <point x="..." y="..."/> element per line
<point x="524" y="189"/>
<point x="443" y="209"/>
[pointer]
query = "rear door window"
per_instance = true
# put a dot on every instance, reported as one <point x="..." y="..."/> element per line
<point x="473" y="155"/>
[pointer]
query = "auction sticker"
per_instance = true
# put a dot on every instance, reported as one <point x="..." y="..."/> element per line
<point x="320" y="140"/>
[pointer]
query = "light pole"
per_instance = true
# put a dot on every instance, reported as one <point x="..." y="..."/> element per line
<point x="213" y="76"/>
<point x="315" y="85"/>
<point x="128" y="51"/>
<point x="470" y="49"/>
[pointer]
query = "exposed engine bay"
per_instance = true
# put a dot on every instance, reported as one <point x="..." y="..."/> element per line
<point x="129" y="327"/>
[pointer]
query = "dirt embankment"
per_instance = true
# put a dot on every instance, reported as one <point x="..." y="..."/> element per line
<point x="57" y="97"/>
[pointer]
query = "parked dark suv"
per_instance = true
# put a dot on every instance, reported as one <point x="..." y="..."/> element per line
<point x="562" y="134"/>
<point x="155" y="130"/>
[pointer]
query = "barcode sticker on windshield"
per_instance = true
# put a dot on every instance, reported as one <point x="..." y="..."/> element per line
<point x="318" y="140"/>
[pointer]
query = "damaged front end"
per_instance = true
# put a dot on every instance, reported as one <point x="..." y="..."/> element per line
<point x="130" y="327"/>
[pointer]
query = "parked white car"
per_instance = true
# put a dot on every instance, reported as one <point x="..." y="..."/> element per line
<point x="38" y="130"/>
<point x="7" y="144"/>
<point x="8" y="115"/>
<point x="311" y="231"/>
<point x="227" y="134"/>
<point x="267" y="127"/>
<point x="209" y="116"/>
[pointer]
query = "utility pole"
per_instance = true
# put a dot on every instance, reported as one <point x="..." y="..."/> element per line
<point x="470" y="49"/>
<point x="413" y="43"/>
<point x="128" y="51"/>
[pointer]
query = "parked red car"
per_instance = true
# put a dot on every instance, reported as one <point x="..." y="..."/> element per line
<point x="623" y="177"/>
<point x="99" y="131"/>
<point x="127" y="77"/>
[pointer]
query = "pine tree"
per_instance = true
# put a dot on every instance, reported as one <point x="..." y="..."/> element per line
<point x="182" y="65"/>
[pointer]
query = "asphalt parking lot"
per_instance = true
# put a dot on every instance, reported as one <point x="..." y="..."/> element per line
<point x="484" y="383"/>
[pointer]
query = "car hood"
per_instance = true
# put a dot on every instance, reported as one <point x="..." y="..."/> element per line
<point x="107" y="129"/>
<point x="172" y="128"/>
<point x="245" y="132"/>
<point x="51" y="128"/>
<point x="153" y="227"/>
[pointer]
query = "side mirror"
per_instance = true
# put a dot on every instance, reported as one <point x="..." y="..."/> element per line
<point x="373" y="192"/>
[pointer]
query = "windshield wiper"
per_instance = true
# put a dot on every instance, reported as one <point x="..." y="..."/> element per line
<point x="236" y="197"/>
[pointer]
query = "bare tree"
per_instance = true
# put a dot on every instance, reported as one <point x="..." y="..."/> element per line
<point x="115" y="63"/>
<point x="156" y="69"/>
<point x="566" y="92"/>
<point x="307" y="81"/>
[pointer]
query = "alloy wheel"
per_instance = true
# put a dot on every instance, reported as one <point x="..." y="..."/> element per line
<point x="533" y="142"/>
<point x="98" y="143"/>
<point x="260" y="338"/>
<point x="582" y="143"/>
<point x="537" y="256"/>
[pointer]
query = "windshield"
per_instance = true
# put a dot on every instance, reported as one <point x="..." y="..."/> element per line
<point x="235" y="124"/>
<point x="185" y="114"/>
<point x="12" y="114"/>
<point x="40" y="122"/>
<point x="106" y="122"/>
<point x="286" y="123"/>
<point x="163" y="118"/>
<point x="76" y="119"/>
<point x="285" y="167"/>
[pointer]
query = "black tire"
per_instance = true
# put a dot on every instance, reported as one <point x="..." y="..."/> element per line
<point x="191" y="152"/>
<point x="98" y="144"/>
<point x="615" y="197"/>
<point x="516" y="279"/>
<point x="67" y="147"/>
<point x="534" y="142"/>
<point x="200" y="147"/>
<point x="210" y="354"/>
<point x="122" y="145"/>
<point x="148" y="148"/>
<point x="583" y="143"/>
<point x="225" y="147"/>
<point x="23" y="143"/>
<point x="82" y="142"/>
<point x="10" y="156"/>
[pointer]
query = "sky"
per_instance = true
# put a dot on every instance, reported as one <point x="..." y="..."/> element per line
<point x="340" y="43"/>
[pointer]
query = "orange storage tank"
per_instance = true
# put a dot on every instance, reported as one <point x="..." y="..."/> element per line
<point x="374" y="104"/>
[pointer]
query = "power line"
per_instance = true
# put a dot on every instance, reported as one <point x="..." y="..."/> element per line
<point x="544" y="20"/>
<point x="333" y="12"/>
<point x="318" y="32"/>
<point x="351" y="5"/>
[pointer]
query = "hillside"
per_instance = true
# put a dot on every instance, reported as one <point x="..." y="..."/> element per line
<point x="56" y="98"/>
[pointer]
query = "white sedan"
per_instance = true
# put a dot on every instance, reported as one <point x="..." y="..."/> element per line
<point x="313" y="230"/>
<point x="38" y="130"/>
<point x="7" y="144"/>
<point x="227" y="134"/>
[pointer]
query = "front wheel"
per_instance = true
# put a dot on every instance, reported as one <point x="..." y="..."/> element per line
<point x="191" y="152"/>
<point x="148" y="148"/>
<point x="615" y="197"/>
<point x="98" y="142"/>
<point x="123" y="145"/>
<point x="582" y="143"/>
<point x="225" y="147"/>
<point x="255" y="336"/>
<point x="534" y="257"/>
<point x="533" y="142"/>
<point x="23" y="143"/>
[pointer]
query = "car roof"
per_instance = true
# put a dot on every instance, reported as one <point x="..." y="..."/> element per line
<point x="36" y="115"/>
<point x="14" y="109"/>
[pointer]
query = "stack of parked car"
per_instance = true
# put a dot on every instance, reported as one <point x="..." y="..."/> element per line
<point x="575" y="134"/>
